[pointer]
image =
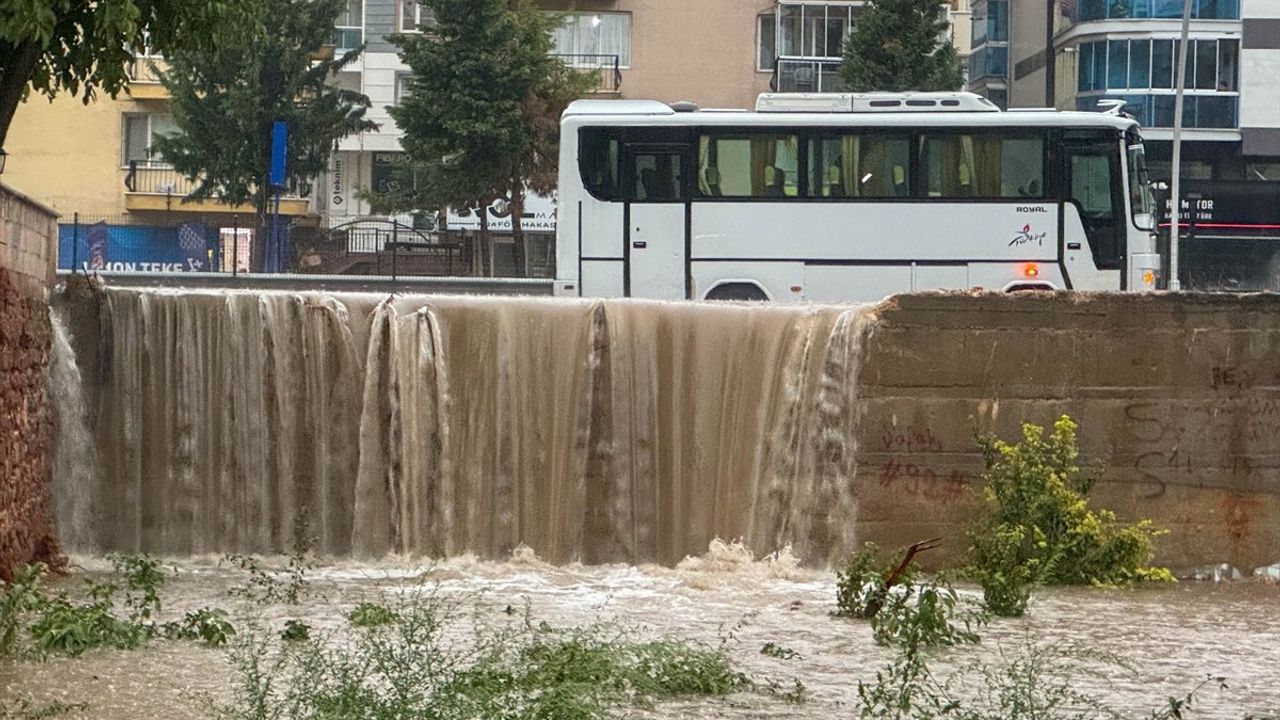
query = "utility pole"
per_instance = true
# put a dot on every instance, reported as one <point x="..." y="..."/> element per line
<point x="1050" y="58"/>
<point x="1175" y="200"/>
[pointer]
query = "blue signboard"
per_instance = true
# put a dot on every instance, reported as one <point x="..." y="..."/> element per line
<point x="279" y="148"/>
<point x="187" y="247"/>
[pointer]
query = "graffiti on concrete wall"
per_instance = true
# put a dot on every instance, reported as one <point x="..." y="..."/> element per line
<point x="1221" y="441"/>
<point x="907" y="465"/>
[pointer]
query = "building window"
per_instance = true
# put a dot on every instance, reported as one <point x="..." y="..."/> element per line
<point x="989" y="61"/>
<point x="412" y="16"/>
<point x="766" y="42"/>
<point x="814" y="30"/>
<point x="993" y="23"/>
<point x="404" y="86"/>
<point x="348" y="30"/>
<point x="1087" y="10"/>
<point x="1141" y="64"/>
<point x="1262" y="171"/>
<point x="140" y="132"/>
<point x="594" y="34"/>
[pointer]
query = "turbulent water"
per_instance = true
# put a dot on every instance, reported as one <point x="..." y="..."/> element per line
<point x="75" y="458"/>
<point x="1173" y="635"/>
<point x="588" y="430"/>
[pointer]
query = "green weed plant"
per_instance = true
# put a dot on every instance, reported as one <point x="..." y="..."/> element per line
<point x="412" y="666"/>
<point x="1038" y="528"/>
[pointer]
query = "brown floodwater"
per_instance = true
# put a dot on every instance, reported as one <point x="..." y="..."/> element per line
<point x="1174" y="635"/>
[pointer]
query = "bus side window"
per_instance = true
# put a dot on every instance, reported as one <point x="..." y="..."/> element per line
<point x="870" y="165"/>
<point x="599" y="162"/>
<point x="982" y="165"/>
<point x="748" y="166"/>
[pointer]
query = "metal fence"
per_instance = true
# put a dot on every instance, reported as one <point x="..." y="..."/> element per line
<point x="174" y="242"/>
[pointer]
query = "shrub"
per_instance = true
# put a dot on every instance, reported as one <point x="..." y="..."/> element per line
<point x="928" y="615"/>
<point x="207" y="625"/>
<point x="416" y="666"/>
<point x="860" y="585"/>
<point x="369" y="614"/>
<point x="1038" y="527"/>
<point x="295" y="630"/>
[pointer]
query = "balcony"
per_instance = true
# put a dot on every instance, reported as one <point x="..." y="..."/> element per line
<point x="144" y="78"/>
<point x="607" y="67"/>
<point x="1200" y="111"/>
<point x="807" y="75"/>
<point x="161" y="188"/>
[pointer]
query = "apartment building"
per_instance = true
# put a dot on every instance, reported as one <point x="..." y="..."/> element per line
<point x="94" y="162"/>
<point x="121" y="206"/>
<point x="716" y="53"/>
<point x="1071" y="54"/>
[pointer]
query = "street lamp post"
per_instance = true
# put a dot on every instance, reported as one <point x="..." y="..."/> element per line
<point x="1175" y="200"/>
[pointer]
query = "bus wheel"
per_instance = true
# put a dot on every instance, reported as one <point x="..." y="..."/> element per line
<point x="1029" y="287"/>
<point x="738" y="292"/>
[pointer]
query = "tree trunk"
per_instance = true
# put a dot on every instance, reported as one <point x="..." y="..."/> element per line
<point x="16" y="65"/>
<point x="262" y="233"/>
<point x="517" y="234"/>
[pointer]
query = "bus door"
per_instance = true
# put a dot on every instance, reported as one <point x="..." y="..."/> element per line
<point x="1094" y="186"/>
<point x="655" y="249"/>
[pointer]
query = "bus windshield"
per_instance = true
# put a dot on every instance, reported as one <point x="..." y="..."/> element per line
<point x="1140" y="198"/>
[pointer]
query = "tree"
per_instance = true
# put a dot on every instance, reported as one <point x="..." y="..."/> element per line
<point x="226" y="99"/>
<point x="897" y="45"/>
<point x="482" y="119"/>
<point x="86" y="46"/>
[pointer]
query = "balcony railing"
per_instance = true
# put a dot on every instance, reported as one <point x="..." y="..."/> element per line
<point x="608" y="67"/>
<point x="141" y="179"/>
<point x="1210" y="110"/>
<point x="807" y="75"/>
<point x="144" y="69"/>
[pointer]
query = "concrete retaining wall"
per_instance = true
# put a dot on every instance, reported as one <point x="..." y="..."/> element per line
<point x="1178" y="400"/>
<point x="28" y="236"/>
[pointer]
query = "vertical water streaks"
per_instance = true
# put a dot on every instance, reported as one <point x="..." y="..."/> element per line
<point x="592" y="430"/>
<point x="75" y="457"/>
<point x="227" y="422"/>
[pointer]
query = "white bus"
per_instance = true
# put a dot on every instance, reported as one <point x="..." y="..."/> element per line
<point x="848" y="197"/>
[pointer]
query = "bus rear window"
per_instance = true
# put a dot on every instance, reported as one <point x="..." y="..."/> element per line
<point x="982" y="166"/>
<point x="599" y="160"/>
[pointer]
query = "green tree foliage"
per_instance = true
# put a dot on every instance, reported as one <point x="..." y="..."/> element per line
<point x="897" y="45"/>
<point x="482" y="119"/>
<point x="1038" y="527"/>
<point x="226" y="98"/>
<point x="86" y="46"/>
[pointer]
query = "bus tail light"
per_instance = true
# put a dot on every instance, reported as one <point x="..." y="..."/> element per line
<point x="1031" y="270"/>
<point x="1149" y="279"/>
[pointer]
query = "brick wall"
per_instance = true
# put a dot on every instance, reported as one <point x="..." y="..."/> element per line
<point x="27" y="244"/>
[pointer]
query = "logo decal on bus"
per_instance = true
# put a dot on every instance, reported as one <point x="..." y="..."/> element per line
<point x="1032" y="209"/>
<point x="1026" y="237"/>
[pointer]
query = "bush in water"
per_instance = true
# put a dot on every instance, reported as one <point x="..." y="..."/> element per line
<point x="413" y="666"/>
<point x="1038" y="528"/>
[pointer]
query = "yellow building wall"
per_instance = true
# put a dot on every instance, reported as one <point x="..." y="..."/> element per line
<point x="67" y="154"/>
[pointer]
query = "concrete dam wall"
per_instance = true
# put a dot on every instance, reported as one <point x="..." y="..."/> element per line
<point x="638" y="431"/>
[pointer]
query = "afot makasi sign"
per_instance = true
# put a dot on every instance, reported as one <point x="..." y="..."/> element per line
<point x="539" y="216"/>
